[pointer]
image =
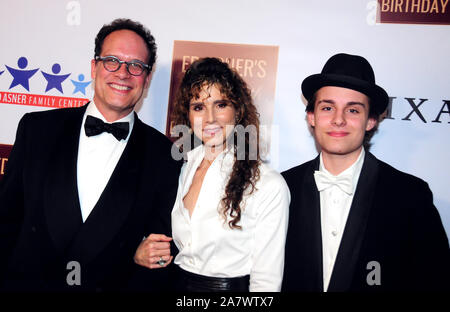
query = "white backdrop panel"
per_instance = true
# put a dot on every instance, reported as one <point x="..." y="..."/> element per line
<point x="410" y="61"/>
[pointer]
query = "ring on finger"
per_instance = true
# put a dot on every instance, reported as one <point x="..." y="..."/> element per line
<point x="161" y="261"/>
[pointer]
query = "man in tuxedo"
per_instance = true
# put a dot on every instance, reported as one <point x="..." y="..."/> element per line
<point x="84" y="186"/>
<point x="356" y="223"/>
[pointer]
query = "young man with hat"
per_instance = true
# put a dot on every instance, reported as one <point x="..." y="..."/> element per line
<point x="356" y="223"/>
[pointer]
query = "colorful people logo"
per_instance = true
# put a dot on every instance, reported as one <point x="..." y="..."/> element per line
<point x="21" y="76"/>
<point x="80" y="86"/>
<point x="55" y="81"/>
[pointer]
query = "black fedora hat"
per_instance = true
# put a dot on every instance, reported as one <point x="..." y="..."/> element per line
<point x="348" y="71"/>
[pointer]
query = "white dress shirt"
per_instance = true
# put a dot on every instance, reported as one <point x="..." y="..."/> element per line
<point x="97" y="157"/>
<point x="207" y="244"/>
<point x="334" y="208"/>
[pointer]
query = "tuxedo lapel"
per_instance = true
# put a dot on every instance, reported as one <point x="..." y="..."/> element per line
<point x="353" y="235"/>
<point x="310" y="229"/>
<point x="61" y="202"/>
<point x="114" y="203"/>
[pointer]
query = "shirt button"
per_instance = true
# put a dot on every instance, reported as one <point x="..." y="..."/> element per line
<point x="334" y="233"/>
<point x="191" y="261"/>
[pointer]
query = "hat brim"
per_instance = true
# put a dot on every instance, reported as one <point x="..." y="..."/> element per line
<point x="379" y="99"/>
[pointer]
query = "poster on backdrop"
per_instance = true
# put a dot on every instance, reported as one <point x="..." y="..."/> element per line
<point x="414" y="12"/>
<point x="5" y="150"/>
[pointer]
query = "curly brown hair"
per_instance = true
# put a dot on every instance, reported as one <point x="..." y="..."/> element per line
<point x="245" y="173"/>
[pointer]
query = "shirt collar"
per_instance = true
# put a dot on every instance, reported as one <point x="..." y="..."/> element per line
<point x="354" y="170"/>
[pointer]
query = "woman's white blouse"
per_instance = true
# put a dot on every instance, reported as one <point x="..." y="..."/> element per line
<point x="208" y="246"/>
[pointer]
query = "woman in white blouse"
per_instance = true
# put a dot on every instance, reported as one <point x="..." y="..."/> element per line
<point x="230" y="217"/>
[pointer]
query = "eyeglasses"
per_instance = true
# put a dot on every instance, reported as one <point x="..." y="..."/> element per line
<point x="112" y="64"/>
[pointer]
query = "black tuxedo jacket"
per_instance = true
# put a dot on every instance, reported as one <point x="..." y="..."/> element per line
<point x="41" y="229"/>
<point x="392" y="220"/>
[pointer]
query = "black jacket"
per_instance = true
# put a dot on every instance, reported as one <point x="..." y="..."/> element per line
<point x="41" y="228"/>
<point x="392" y="220"/>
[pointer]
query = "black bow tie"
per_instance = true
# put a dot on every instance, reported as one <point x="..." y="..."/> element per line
<point x="95" y="126"/>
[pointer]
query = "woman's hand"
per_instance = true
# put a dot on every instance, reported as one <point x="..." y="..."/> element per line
<point x="152" y="250"/>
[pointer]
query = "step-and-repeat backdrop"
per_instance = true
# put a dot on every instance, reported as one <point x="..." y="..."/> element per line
<point x="47" y="47"/>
